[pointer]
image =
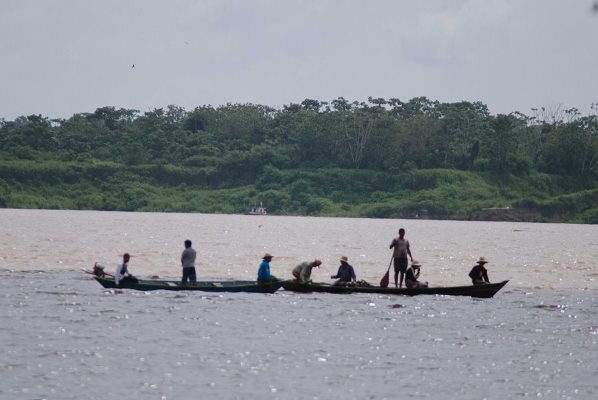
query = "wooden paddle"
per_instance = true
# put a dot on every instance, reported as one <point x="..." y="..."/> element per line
<point x="384" y="280"/>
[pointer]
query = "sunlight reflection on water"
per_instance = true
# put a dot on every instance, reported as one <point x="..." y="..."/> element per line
<point x="230" y="246"/>
<point x="68" y="338"/>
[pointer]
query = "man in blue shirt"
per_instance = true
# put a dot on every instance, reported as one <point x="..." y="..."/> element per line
<point x="263" y="273"/>
<point x="345" y="273"/>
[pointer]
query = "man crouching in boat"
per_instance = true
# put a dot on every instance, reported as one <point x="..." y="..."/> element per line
<point x="345" y="273"/>
<point x="411" y="276"/>
<point x="122" y="275"/>
<point x="263" y="272"/>
<point x="302" y="272"/>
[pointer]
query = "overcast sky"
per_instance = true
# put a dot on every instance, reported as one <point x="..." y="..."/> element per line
<point x="62" y="57"/>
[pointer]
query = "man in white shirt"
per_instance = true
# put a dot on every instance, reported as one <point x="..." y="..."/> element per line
<point x="122" y="275"/>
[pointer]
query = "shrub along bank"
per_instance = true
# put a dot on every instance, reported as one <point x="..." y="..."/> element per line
<point x="380" y="158"/>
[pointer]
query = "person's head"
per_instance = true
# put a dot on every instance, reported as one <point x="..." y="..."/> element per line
<point x="267" y="257"/>
<point x="401" y="232"/>
<point x="126" y="257"/>
<point x="482" y="261"/>
<point x="415" y="264"/>
<point x="344" y="260"/>
<point x="316" y="263"/>
<point x="187" y="243"/>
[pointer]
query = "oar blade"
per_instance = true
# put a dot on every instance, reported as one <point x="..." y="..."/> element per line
<point x="384" y="280"/>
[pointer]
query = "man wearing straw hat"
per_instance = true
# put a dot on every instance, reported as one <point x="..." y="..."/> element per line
<point x="479" y="274"/>
<point x="411" y="276"/>
<point x="345" y="273"/>
<point x="302" y="272"/>
<point x="263" y="273"/>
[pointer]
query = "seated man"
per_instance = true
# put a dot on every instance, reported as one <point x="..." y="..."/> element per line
<point x="263" y="273"/>
<point x="345" y="273"/>
<point x="122" y="275"/>
<point x="302" y="272"/>
<point x="411" y="276"/>
<point x="479" y="274"/>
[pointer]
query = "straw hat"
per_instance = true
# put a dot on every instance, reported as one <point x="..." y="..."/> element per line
<point x="344" y="259"/>
<point x="415" y="264"/>
<point x="482" y="260"/>
<point x="267" y="255"/>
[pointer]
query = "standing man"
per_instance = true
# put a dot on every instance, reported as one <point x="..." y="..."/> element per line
<point x="188" y="263"/>
<point x="400" y="253"/>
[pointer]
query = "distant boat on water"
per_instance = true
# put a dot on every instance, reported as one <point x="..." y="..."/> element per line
<point x="258" y="210"/>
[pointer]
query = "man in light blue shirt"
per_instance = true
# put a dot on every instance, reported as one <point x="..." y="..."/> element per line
<point x="188" y="263"/>
<point x="302" y="272"/>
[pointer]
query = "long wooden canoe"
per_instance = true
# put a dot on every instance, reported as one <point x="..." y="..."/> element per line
<point x="205" y="286"/>
<point x="483" y="291"/>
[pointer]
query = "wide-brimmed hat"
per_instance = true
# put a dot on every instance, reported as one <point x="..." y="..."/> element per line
<point x="482" y="260"/>
<point x="344" y="259"/>
<point x="267" y="255"/>
<point x="415" y="264"/>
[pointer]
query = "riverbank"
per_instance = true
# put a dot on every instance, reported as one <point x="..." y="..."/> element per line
<point x="331" y="192"/>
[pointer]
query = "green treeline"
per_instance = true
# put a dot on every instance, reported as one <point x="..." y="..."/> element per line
<point x="380" y="158"/>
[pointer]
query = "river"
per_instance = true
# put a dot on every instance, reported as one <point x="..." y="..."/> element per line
<point x="65" y="337"/>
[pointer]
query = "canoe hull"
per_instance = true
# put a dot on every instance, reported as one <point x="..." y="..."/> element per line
<point x="203" y="286"/>
<point x="480" y="291"/>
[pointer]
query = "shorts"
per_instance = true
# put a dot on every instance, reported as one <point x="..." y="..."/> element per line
<point x="401" y="265"/>
<point x="189" y="274"/>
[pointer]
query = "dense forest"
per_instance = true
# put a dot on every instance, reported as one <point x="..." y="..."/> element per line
<point x="375" y="158"/>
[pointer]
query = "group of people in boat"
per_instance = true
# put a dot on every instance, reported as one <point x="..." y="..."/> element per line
<point x="403" y="270"/>
<point x="402" y="250"/>
<point x="402" y="254"/>
<point x="189" y="274"/>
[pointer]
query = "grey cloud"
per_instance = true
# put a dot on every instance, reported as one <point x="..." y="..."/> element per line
<point x="62" y="57"/>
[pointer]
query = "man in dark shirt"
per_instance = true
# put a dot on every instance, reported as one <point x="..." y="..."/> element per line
<point x="411" y="276"/>
<point x="479" y="274"/>
<point x="345" y="273"/>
